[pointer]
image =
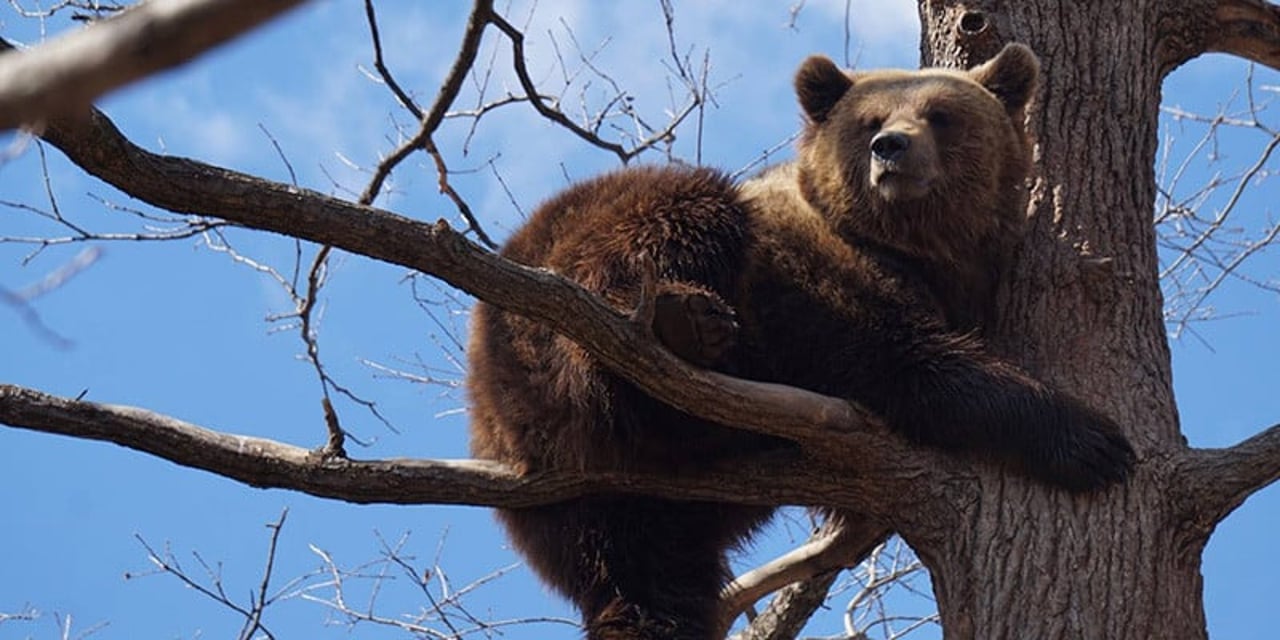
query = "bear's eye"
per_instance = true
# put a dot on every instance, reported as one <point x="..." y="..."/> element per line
<point x="872" y="124"/>
<point x="938" y="118"/>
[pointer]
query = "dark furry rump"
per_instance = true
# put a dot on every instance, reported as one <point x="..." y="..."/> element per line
<point x="690" y="224"/>
<point x="637" y="568"/>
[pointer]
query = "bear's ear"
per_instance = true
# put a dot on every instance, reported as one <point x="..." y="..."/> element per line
<point x="1011" y="76"/>
<point x="820" y="84"/>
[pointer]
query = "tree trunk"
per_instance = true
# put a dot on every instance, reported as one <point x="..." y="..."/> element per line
<point x="1027" y="562"/>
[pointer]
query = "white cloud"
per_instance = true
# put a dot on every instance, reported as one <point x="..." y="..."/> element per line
<point x="219" y="136"/>
<point x="179" y="113"/>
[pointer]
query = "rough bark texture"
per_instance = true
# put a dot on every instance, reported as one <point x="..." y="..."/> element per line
<point x="1028" y="563"/>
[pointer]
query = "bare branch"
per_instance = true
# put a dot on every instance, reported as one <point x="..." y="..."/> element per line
<point x="790" y="610"/>
<point x="430" y="120"/>
<point x="63" y="76"/>
<point x="1213" y="482"/>
<point x="384" y="74"/>
<point x="154" y="227"/>
<point x="646" y="136"/>
<point x="807" y="573"/>
<point x="840" y="543"/>
<point x="481" y="14"/>
<point x="259" y="600"/>
<point x="891" y="566"/>
<point x="1205" y="233"/>
<point x="264" y="597"/>
<point x="446" y="604"/>
<point x="259" y="462"/>
<point x="885" y="566"/>
<point x="81" y="10"/>
<point x="306" y="308"/>
<point x="531" y="92"/>
<point x="1242" y="184"/>
<point x="27" y="614"/>
<point x="21" y="300"/>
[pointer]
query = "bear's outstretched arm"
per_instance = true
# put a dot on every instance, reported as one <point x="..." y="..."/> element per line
<point x="834" y="320"/>
<point x="963" y="399"/>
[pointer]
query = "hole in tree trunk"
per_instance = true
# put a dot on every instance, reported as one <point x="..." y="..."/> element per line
<point x="973" y="22"/>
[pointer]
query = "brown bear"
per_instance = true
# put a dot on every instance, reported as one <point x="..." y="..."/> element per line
<point x="862" y="270"/>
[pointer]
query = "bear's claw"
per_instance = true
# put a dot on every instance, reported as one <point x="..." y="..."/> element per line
<point x="695" y="325"/>
<point x="1090" y="453"/>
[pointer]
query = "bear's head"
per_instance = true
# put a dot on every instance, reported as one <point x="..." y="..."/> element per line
<point x="930" y="162"/>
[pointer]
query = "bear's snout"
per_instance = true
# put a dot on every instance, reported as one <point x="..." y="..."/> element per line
<point x="904" y="162"/>
<point x="890" y="146"/>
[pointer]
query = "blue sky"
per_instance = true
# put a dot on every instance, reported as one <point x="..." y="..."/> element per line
<point x="180" y="329"/>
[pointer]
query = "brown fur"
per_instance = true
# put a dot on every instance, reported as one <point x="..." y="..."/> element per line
<point x="851" y="273"/>
<point x="636" y="567"/>
<point x="965" y="218"/>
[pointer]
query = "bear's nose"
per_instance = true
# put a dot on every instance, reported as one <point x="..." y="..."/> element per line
<point x="890" y="145"/>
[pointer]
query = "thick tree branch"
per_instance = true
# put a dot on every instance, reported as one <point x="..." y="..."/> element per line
<point x="63" y="76"/>
<point x="267" y="463"/>
<point x="1213" y="482"/>
<point x="1247" y="28"/>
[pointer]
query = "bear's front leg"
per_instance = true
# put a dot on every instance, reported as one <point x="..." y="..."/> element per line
<point x="694" y="323"/>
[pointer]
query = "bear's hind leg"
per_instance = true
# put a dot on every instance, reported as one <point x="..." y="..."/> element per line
<point x="637" y="568"/>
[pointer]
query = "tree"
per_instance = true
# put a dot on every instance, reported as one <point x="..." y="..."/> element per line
<point x="1008" y="558"/>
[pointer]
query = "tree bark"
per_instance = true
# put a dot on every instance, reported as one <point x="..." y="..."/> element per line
<point x="1026" y="562"/>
